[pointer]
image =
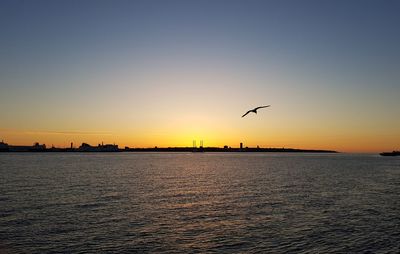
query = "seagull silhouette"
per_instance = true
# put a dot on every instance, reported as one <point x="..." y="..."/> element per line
<point x="255" y="110"/>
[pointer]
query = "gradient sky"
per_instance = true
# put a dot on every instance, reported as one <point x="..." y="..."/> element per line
<point x="147" y="73"/>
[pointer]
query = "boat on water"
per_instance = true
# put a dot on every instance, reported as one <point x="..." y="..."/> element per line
<point x="394" y="153"/>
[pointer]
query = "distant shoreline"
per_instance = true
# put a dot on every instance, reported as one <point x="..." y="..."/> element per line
<point x="217" y="149"/>
<point x="174" y="149"/>
<point x="101" y="148"/>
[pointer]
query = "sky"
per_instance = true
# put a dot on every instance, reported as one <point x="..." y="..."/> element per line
<point x="165" y="73"/>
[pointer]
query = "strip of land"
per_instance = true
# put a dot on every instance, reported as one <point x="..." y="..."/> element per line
<point x="4" y="147"/>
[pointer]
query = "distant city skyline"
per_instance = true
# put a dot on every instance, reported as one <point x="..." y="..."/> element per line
<point x="85" y="147"/>
<point x="163" y="73"/>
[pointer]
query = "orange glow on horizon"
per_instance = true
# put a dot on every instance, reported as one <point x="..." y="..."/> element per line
<point x="210" y="139"/>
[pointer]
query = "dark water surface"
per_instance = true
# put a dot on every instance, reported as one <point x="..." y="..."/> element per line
<point x="199" y="203"/>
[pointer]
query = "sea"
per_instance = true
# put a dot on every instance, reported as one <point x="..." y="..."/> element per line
<point x="199" y="203"/>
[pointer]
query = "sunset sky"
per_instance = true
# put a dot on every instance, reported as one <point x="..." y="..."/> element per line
<point x="163" y="73"/>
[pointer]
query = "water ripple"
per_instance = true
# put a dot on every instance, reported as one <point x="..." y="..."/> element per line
<point x="199" y="203"/>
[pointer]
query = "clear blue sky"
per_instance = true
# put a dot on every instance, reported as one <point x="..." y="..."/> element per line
<point x="165" y="72"/>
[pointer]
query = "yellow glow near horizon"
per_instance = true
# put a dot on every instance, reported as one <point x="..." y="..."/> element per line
<point x="169" y="109"/>
<point x="183" y="137"/>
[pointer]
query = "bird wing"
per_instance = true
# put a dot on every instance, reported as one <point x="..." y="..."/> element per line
<point x="262" y="107"/>
<point x="246" y="113"/>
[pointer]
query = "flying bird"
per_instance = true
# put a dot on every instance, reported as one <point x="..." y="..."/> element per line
<point x="255" y="110"/>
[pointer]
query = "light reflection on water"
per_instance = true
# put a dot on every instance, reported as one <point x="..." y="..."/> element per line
<point x="190" y="203"/>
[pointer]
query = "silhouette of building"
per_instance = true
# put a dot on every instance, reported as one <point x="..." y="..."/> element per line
<point x="38" y="147"/>
<point x="109" y="148"/>
<point x="4" y="147"/>
<point x="241" y="145"/>
<point x="86" y="147"/>
<point x="100" y="148"/>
